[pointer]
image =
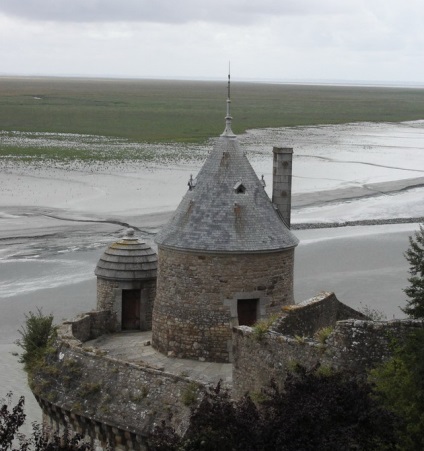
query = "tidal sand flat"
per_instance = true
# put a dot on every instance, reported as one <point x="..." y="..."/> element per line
<point x="57" y="216"/>
<point x="53" y="211"/>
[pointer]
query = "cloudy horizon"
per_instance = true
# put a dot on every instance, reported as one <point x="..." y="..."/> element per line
<point x="295" y="40"/>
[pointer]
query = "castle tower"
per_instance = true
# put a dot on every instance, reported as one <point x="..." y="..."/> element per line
<point x="225" y="258"/>
<point x="126" y="282"/>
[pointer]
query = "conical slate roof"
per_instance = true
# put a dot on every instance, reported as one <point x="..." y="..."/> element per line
<point x="228" y="209"/>
<point x="127" y="259"/>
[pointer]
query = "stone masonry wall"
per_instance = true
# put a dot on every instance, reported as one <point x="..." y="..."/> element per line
<point x="106" y="298"/>
<point x="311" y="315"/>
<point x="105" y="399"/>
<point x="196" y="301"/>
<point x="354" y="346"/>
<point x="150" y="287"/>
<point x="105" y="293"/>
<point x="88" y="326"/>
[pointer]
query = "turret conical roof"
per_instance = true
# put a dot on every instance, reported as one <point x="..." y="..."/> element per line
<point x="226" y="208"/>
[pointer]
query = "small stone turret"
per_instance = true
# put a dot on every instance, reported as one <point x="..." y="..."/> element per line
<point x="126" y="282"/>
<point x="282" y="182"/>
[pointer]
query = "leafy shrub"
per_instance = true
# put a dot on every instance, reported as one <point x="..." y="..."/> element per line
<point x="189" y="395"/>
<point x="372" y="314"/>
<point x="399" y="386"/>
<point x="36" y="332"/>
<point x="322" y="334"/>
<point x="313" y="413"/>
<point x="11" y="420"/>
<point x="261" y="327"/>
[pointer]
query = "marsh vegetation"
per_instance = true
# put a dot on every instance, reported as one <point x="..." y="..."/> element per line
<point x="152" y="111"/>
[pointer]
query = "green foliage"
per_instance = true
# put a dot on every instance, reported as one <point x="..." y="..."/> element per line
<point x="312" y="413"/>
<point x="11" y="420"/>
<point x="87" y="389"/>
<point x="137" y="396"/>
<point x="261" y="327"/>
<point x="324" y="370"/>
<point x="36" y="333"/>
<point x="372" y="314"/>
<point x="300" y="339"/>
<point x="322" y="334"/>
<point x="399" y="385"/>
<point x="415" y="291"/>
<point x="189" y="395"/>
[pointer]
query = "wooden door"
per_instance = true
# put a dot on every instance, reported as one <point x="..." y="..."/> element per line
<point x="130" y="309"/>
<point x="247" y="311"/>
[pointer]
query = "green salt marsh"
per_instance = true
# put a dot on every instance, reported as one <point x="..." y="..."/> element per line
<point x="153" y="111"/>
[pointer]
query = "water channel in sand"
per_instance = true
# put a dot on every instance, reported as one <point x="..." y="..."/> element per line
<point x="55" y="221"/>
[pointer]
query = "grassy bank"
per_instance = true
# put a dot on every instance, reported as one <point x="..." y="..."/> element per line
<point x="189" y="111"/>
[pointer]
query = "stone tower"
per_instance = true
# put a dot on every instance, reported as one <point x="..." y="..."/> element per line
<point x="126" y="282"/>
<point x="225" y="258"/>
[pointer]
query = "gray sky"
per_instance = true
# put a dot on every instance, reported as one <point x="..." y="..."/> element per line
<point x="375" y="40"/>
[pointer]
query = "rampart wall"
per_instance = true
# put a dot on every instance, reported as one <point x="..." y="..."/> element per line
<point x="354" y="345"/>
<point x="107" y="400"/>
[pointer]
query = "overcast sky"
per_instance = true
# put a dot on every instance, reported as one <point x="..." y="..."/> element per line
<point x="375" y="40"/>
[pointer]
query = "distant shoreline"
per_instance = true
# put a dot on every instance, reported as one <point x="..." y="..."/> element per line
<point x="264" y="81"/>
<point x="364" y="222"/>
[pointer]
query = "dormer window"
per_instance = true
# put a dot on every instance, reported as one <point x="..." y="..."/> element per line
<point x="191" y="183"/>
<point x="239" y="188"/>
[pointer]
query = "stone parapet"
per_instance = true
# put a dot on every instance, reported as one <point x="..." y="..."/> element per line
<point x="354" y="345"/>
<point x="311" y="315"/>
<point x="109" y="401"/>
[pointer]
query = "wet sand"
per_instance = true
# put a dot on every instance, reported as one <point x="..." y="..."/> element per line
<point x="54" y="223"/>
<point x="363" y="268"/>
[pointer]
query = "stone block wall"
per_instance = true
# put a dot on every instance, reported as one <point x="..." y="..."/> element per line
<point x="150" y="289"/>
<point x="110" y="402"/>
<point x="258" y="360"/>
<point x="357" y="345"/>
<point x="99" y="435"/>
<point x="106" y="293"/>
<point x="197" y="293"/>
<point x="354" y="346"/>
<point x="311" y="315"/>
<point x="109" y="297"/>
<point x="88" y="326"/>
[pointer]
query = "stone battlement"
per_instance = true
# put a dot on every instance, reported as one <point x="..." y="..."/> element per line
<point x="354" y="344"/>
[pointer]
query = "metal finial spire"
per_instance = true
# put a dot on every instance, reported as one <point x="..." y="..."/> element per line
<point x="228" y="118"/>
<point x="229" y="71"/>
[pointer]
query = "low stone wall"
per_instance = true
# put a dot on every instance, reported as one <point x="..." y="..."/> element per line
<point x="88" y="326"/>
<point x="357" y="346"/>
<point x="311" y="315"/>
<point x="107" y="400"/>
<point x="354" y="346"/>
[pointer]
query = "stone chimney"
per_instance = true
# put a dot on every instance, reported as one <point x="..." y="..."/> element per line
<point x="282" y="182"/>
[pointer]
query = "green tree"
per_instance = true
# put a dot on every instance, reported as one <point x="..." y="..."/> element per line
<point x="314" y="412"/>
<point x="415" y="291"/>
<point x="36" y="332"/>
<point x="399" y="386"/>
<point x="11" y="420"/>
